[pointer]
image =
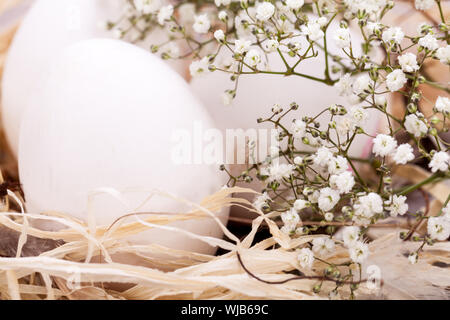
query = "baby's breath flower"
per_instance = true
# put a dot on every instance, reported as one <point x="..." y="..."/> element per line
<point x="328" y="198"/>
<point x="199" y="67"/>
<point x="290" y="217"/>
<point x="366" y="207"/>
<point x="350" y="235"/>
<point x="361" y="84"/>
<point x="393" y="35"/>
<point x="443" y="105"/>
<point x="403" y="154"/>
<point x="202" y="23"/>
<point x="397" y="205"/>
<point x="344" y="85"/>
<point x="337" y="165"/>
<point x="322" y="157"/>
<point x="408" y="62"/>
<point x="343" y="182"/>
<point x="329" y="216"/>
<point x="438" y="228"/>
<point x="219" y="35"/>
<point x="342" y="38"/>
<point x="305" y="257"/>
<point x="164" y="14"/>
<point x="440" y="161"/>
<point x="295" y="4"/>
<point x="359" y="252"/>
<point x="383" y="145"/>
<point x="261" y="201"/>
<point x="298" y="160"/>
<point x="264" y="11"/>
<point x="222" y="15"/>
<point x="241" y="46"/>
<point x="271" y="45"/>
<point x="395" y="80"/>
<point x="412" y="258"/>
<point x="429" y="42"/>
<point x="415" y="126"/>
<point x="374" y="27"/>
<point x="253" y="57"/>
<point x="323" y="246"/>
<point x="277" y="171"/>
<point x="300" y="204"/>
<point x="298" y="128"/>
<point x="443" y="54"/>
<point x="313" y="31"/>
<point x="146" y="6"/>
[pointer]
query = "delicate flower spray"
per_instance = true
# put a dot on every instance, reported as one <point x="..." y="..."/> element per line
<point x="321" y="191"/>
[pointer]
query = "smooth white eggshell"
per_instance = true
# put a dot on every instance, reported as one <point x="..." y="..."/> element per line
<point x="48" y="27"/>
<point x="104" y="118"/>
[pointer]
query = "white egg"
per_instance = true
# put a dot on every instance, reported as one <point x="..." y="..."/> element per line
<point x="49" y="26"/>
<point x="106" y="116"/>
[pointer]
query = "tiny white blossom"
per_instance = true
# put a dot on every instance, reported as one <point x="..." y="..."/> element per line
<point x="361" y="84"/>
<point x="264" y="11"/>
<point x="443" y="105"/>
<point x="395" y="80"/>
<point x="219" y="35"/>
<point x="342" y="38"/>
<point x="261" y="201"/>
<point x="298" y="128"/>
<point x="337" y="165"/>
<point x="329" y="216"/>
<point x="359" y="252"/>
<point x="383" y="145"/>
<point x="313" y="31"/>
<point x="344" y="85"/>
<point x="271" y="45"/>
<point x="328" y="198"/>
<point x="323" y="246"/>
<point x="199" y="67"/>
<point x="373" y="27"/>
<point x="343" y="182"/>
<point x="443" y="54"/>
<point x="295" y="4"/>
<point x="408" y="62"/>
<point x="429" y="42"/>
<point x="253" y="58"/>
<point x="440" y="161"/>
<point x="393" y="34"/>
<point x="146" y="6"/>
<point x="415" y="126"/>
<point x="202" y="23"/>
<point x="397" y="205"/>
<point x="350" y="235"/>
<point x="366" y="207"/>
<point x="323" y="156"/>
<point x="412" y="258"/>
<point x="164" y="14"/>
<point x="423" y="4"/>
<point x="358" y="115"/>
<point x="300" y="204"/>
<point x="298" y="160"/>
<point x="306" y="258"/>
<point x="290" y="217"/>
<point x="242" y="45"/>
<point x="222" y="15"/>
<point x="278" y="171"/>
<point x="403" y="154"/>
<point x="438" y="228"/>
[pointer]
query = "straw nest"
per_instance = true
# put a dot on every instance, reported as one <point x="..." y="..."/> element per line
<point x="79" y="262"/>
